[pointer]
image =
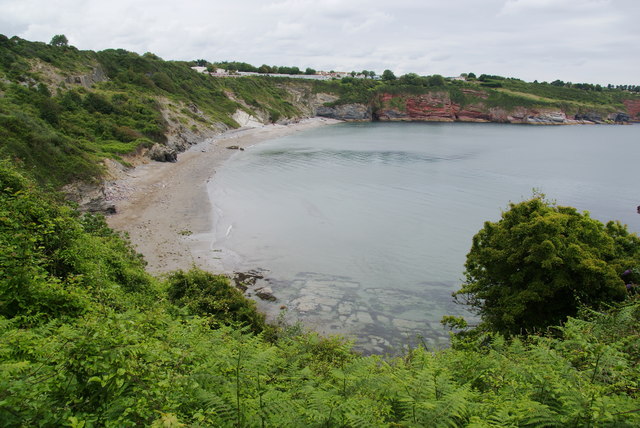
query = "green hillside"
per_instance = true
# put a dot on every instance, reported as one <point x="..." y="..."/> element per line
<point x="63" y="110"/>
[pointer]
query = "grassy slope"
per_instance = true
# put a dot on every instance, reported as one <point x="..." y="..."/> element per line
<point x="61" y="130"/>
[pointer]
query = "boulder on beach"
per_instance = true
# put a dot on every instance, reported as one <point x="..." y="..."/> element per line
<point x="162" y="153"/>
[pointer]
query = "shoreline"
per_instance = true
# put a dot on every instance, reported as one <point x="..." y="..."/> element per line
<point x="165" y="208"/>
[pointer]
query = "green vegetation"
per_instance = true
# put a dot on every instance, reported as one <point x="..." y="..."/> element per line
<point x="204" y="294"/>
<point x="89" y="339"/>
<point x="60" y="128"/>
<point x="388" y="75"/>
<point x="541" y="262"/>
<point x="233" y="66"/>
<point x="349" y="89"/>
<point x="488" y="91"/>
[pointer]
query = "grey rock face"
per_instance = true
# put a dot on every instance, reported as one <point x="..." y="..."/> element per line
<point x="87" y="80"/>
<point x="89" y="197"/>
<point x="346" y="112"/>
<point x="554" y="118"/>
<point x="162" y="153"/>
<point x="589" y="116"/>
<point x="621" y="117"/>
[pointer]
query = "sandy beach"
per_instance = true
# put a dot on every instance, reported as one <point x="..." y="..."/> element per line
<point x="165" y="207"/>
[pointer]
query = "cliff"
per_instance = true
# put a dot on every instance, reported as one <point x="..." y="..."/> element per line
<point x="633" y="109"/>
<point x="474" y="106"/>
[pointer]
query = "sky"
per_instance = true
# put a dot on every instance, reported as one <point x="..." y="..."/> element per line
<point x="593" y="41"/>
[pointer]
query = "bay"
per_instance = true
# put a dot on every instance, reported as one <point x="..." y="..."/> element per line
<point x="362" y="228"/>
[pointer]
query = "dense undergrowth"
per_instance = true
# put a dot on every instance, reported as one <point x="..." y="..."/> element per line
<point x="88" y="338"/>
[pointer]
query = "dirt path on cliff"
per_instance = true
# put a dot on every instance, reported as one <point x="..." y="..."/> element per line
<point x="165" y="207"/>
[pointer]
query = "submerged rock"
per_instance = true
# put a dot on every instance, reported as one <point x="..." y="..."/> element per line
<point x="244" y="280"/>
<point x="266" y="293"/>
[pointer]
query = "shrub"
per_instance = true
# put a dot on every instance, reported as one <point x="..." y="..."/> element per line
<point x="541" y="262"/>
<point x="206" y="294"/>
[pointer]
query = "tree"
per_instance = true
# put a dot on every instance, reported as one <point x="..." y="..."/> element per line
<point x="388" y="75"/>
<point x="411" y="79"/>
<point x="540" y="262"/>
<point x="436" y="80"/>
<point x="309" y="71"/>
<point x="59" y="40"/>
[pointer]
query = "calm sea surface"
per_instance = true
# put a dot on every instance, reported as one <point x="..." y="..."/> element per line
<point x="363" y="228"/>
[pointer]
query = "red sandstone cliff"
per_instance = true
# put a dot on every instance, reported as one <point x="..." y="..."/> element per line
<point x="438" y="107"/>
<point x="633" y="108"/>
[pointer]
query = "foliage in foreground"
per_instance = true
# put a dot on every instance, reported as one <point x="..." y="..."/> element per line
<point x="204" y="294"/>
<point x="541" y="262"/>
<point x="140" y="367"/>
<point x="87" y="338"/>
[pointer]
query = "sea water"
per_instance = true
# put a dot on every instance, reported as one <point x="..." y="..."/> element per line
<point x="362" y="229"/>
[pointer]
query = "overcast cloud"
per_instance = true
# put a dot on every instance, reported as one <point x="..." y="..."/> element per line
<point x="596" y="41"/>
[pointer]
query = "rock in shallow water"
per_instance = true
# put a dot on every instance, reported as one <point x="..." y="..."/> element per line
<point x="266" y="293"/>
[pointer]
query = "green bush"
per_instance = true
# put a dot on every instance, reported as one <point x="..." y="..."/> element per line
<point x="541" y="262"/>
<point x="50" y="257"/>
<point x="204" y="294"/>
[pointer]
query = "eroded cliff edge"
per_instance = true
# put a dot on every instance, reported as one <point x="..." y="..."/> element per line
<point x="475" y="106"/>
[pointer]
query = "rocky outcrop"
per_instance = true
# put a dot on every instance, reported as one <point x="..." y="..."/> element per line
<point x="247" y="120"/>
<point x="633" y="109"/>
<point x="265" y="293"/>
<point x="589" y="117"/>
<point x="303" y="97"/>
<point x="90" y="197"/>
<point x="245" y="280"/>
<point x="88" y="80"/>
<point x="183" y="131"/>
<point x="348" y="112"/>
<point x="162" y="153"/>
<point x="620" y="117"/>
<point x="439" y="107"/>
